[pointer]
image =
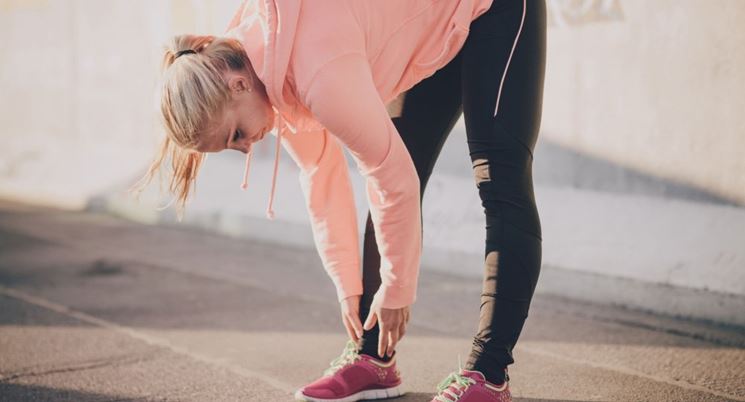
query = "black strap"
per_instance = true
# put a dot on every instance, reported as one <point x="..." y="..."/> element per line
<point x="183" y="52"/>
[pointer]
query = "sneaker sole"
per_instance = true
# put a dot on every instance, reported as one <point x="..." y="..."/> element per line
<point x="362" y="395"/>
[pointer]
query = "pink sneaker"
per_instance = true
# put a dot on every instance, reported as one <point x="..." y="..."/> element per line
<point x="471" y="386"/>
<point x="353" y="377"/>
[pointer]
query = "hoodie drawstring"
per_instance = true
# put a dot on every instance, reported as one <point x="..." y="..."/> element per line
<point x="269" y="210"/>
<point x="244" y="185"/>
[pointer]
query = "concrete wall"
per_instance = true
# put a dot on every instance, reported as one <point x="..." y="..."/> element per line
<point x="656" y="87"/>
<point x="77" y="81"/>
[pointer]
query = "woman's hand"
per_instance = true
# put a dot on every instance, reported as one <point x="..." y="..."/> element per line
<point x="392" y="324"/>
<point x="350" y="316"/>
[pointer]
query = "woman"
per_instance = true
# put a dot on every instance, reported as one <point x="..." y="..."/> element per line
<point x="322" y="76"/>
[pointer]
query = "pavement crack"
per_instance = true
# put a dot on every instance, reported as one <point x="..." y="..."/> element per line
<point x="74" y="367"/>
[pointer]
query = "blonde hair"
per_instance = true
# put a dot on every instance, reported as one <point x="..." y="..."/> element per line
<point x="193" y="94"/>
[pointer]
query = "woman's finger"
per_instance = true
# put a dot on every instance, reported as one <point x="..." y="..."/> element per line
<point x="372" y="317"/>
<point x="382" y="338"/>
<point x="350" y="329"/>
<point x="357" y="324"/>
<point x="392" y="341"/>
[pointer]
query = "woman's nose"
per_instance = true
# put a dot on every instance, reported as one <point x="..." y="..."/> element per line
<point x="243" y="145"/>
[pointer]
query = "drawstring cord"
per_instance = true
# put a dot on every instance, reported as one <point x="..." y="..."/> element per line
<point x="244" y="185"/>
<point x="269" y="210"/>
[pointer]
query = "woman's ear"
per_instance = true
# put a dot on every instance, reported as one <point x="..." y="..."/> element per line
<point x="238" y="84"/>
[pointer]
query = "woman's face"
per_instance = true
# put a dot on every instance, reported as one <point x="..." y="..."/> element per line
<point x="246" y="119"/>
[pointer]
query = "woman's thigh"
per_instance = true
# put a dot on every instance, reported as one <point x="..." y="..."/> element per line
<point x="430" y="110"/>
<point x="503" y="67"/>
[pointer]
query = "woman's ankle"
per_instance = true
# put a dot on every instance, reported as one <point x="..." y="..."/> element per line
<point x="374" y="353"/>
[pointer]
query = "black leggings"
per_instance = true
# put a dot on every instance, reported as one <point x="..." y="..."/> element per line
<point x="501" y="149"/>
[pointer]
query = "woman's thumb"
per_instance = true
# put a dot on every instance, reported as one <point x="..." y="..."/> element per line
<point x="370" y="321"/>
<point x="357" y="326"/>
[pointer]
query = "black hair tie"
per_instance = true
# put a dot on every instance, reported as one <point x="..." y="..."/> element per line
<point x="183" y="52"/>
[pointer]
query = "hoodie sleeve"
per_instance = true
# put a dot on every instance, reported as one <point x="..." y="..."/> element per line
<point x="329" y="198"/>
<point x="343" y="97"/>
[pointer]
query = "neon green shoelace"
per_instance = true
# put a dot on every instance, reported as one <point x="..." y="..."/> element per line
<point x="349" y="355"/>
<point x="445" y="394"/>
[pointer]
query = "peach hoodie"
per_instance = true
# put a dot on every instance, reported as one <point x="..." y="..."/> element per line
<point x="330" y="67"/>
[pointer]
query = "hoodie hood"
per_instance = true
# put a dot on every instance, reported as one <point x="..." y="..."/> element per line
<point x="266" y="28"/>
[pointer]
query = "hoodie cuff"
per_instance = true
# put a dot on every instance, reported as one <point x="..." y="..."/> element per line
<point x="351" y="289"/>
<point x="393" y="297"/>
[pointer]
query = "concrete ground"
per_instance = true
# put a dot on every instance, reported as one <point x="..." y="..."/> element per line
<point x="95" y="308"/>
